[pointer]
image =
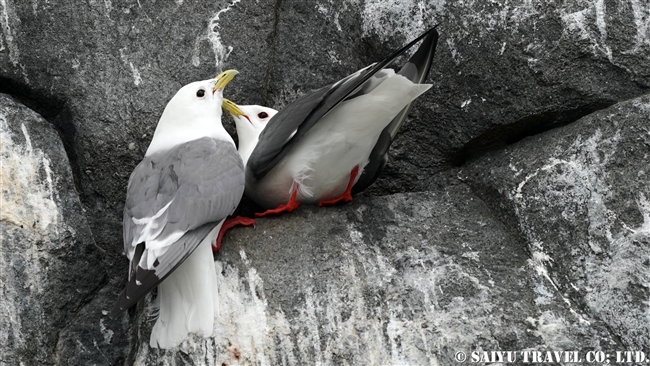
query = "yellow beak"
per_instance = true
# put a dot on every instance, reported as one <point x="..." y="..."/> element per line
<point x="230" y="107"/>
<point x="223" y="79"/>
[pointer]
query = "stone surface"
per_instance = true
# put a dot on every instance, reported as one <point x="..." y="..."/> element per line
<point x="49" y="264"/>
<point x="407" y="279"/>
<point x="101" y="72"/>
<point x="503" y="69"/>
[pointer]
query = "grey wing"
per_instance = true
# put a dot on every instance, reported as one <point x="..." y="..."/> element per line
<point x="284" y="125"/>
<point x="416" y="69"/>
<point x="186" y="190"/>
<point x="181" y="189"/>
<point x="301" y="115"/>
<point x="371" y="83"/>
<point x="279" y="130"/>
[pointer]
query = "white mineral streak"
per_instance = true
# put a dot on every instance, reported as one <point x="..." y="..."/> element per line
<point x="409" y="320"/>
<point x="11" y="327"/>
<point x="107" y="333"/>
<point x="8" y="20"/>
<point x="332" y="11"/>
<point x="641" y="13"/>
<point x="242" y="314"/>
<point x="221" y="51"/>
<point x="590" y="25"/>
<point x="109" y="7"/>
<point x="137" y="79"/>
<point x="136" y="74"/>
<point x="644" y="207"/>
<point x="576" y="184"/>
<point x="387" y="17"/>
<point x="28" y="196"/>
<point x="553" y="329"/>
<point x="582" y="170"/>
<point x="476" y="23"/>
<point x="28" y="204"/>
<point x="340" y="320"/>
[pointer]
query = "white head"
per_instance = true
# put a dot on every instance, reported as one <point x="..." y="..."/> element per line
<point x="194" y="112"/>
<point x="250" y="121"/>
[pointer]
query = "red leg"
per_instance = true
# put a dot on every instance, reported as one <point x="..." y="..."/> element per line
<point x="347" y="195"/>
<point x="229" y="224"/>
<point x="290" y="206"/>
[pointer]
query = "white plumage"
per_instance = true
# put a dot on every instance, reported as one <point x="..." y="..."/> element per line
<point x="187" y="298"/>
<point x="321" y="162"/>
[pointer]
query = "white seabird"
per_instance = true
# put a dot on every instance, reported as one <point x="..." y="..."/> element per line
<point x="189" y="181"/>
<point x="331" y="142"/>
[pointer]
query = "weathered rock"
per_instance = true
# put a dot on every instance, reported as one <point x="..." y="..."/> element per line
<point x="503" y="69"/>
<point x="402" y="279"/>
<point x="579" y="197"/>
<point x="544" y="247"/>
<point x="102" y="71"/>
<point x="49" y="264"/>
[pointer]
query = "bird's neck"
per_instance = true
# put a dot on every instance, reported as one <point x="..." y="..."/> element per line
<point x="247" y="142"/>
<point x="169" y="135"/>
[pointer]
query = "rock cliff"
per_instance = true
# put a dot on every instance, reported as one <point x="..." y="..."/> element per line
<point x="514" y="213"/>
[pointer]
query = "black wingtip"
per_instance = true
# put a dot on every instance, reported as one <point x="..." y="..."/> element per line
<point x="142" y="280"/>
<point x="417" y="70"/>
<point x="422" y="58"/>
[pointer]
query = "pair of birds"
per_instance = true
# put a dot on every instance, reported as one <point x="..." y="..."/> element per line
<point x="322" y="148"/>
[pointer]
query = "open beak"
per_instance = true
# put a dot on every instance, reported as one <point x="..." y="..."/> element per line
<point x="232" y="108"/>
<point x="223" y="79"/>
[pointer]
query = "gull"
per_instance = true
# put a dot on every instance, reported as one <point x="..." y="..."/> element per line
<point x="178" y="197"/>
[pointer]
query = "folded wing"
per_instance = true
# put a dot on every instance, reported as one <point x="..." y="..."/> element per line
<point x="174" y="199"/>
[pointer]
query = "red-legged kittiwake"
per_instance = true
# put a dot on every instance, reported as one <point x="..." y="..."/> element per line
<point x="332" y="142"/>
<point x="189" y="181"/>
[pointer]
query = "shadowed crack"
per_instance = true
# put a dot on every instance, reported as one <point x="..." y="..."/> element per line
<point x="46" y="105"/>
<point x="271" y="64"/>
<point x="53" y="110"/>
<point x="67" y="131"/>
<point x="500" y="136"/>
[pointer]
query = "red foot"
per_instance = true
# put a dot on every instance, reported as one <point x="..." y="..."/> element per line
<point x="229" y="224"/>
<point x="290" y="206"/>
<point x="347" y="195"/>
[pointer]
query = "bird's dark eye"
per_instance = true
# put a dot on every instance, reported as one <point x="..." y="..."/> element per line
<point x="262" y="115"/>
<point x="200" y="93"/>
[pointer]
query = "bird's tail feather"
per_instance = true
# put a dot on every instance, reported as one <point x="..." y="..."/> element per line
<point x="187" y="298"/>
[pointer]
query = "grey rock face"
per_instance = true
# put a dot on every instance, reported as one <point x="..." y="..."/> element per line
<point x="578" y="197"/>
<point x="541" y="246"/>
<point x="49" y="264"/>
<point x="404" y="279"/>
<point x="561" y="234"/>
